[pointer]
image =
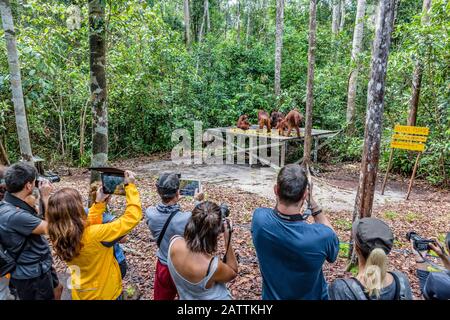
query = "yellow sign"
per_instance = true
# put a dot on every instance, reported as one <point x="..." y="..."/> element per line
<point x="409" y="137"/>
<point x="415" y="146"/>
<point x="411" y="130"/>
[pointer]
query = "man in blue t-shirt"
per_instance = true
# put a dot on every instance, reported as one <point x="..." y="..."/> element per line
<point x="290" y="250"/>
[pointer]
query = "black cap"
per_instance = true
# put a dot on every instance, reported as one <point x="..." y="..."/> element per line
<point x="372" y="233"/>
<point x="168" y="184"/>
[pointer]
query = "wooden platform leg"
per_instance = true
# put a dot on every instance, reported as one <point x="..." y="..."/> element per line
<point x="283" y="154"/>
<point x="240" y="146"/>
<point x="413" y="175"/>
<point x="230" y="148"/>
<point x="262" y="150"/>
<point x="387" y="171"/>
<point x="316" y="148"/>
<point x="252" y="157"/>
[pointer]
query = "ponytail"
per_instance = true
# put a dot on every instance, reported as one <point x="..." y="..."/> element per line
<point x="375" y="272"/>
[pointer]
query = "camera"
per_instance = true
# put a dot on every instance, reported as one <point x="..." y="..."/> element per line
<point x="224" y="210"/>
<point x="49" y="178"/>
<point x="419" y="243"/>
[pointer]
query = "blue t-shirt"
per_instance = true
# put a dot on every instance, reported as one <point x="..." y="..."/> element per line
<point x="291" y="255"/>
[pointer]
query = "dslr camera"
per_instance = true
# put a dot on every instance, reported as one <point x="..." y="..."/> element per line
<point x="49" y="178"/>
<point x="225" y="212"/>
<point x="419" y="243"/>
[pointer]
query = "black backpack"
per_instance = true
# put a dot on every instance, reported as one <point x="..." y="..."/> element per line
<point x="7" y="262"/>
<point x="359" y="291"/>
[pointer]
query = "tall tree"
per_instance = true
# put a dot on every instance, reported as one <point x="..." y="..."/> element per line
<point x="335" y="16"/>
<point x="16" y="81"/>
<point x="310" y="81"/>
<point x="418" y="70"/>
<point x="342" y="15"/>
<point x="278" y="45"/>
<point x="205" y="19"/>
<point x="97" y="44"/>
<point x="375" y="106"/>
<point x="238" y="21"/>
<point x="355" y="61"/>
<point x="187" y="24"/>
<point x="249" y="14"/>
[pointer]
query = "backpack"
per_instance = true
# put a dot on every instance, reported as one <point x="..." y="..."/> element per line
<point x="7" y="262"/>
<point x="359" y="291"/>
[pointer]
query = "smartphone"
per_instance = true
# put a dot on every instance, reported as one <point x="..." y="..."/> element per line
<point x="113" y="183"/>
<point x="188" y="187"/>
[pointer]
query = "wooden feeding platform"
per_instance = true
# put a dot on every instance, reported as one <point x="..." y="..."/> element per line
<point x="255" y="135"/>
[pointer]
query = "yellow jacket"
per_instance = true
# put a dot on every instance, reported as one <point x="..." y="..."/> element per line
<point x="95" y="273"/>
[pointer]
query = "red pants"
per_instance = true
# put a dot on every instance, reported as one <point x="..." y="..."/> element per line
<point x="163" y="288"/>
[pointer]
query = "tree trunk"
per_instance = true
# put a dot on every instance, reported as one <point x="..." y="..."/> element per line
<point x="278" y="45"/>
<point x="204" y="19"/>
<point x="374" y="116"/>
<point x="310" y="82"/>
<point x="4" y="160"/>
<point x="417" y="76"/>
<point x="98" y="86"/>
<point x="187" y="24"/>
<point x="375" y="106"/>
<point x="342" y="16"/>
<point x="355" y="61"/>
<point x="335" y="17"/>
<point x="249" y="13"/>
<point x="16" y="82"/>
<point x="208" y="21"/>
<point x="83" y="128"/>
<point x="238" y="18"/>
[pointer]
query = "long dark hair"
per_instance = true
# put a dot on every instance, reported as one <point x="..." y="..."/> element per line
<point x="66" y="221"/>
<point x="203" y="228"/>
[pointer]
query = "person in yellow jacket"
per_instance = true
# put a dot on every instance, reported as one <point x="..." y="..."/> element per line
<point x="79" y="240"/>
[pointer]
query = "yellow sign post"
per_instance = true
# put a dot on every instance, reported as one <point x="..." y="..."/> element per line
<point x="407" y="138"/>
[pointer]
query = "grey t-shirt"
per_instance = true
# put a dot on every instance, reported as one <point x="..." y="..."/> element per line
<point x="198" y="291"/>
<point x="17" y="222"/>
<point x="157" y="216"/>
<point x="339" y="290"/>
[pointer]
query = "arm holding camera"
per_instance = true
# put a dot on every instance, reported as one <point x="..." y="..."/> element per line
<point x="317" y="213"/>
<point x="438" y="248"/>
<point x="432" y="284"/>
<point x="227" y="271"/>
<point x="45" y="189"/>
<point x="124" y="224"/>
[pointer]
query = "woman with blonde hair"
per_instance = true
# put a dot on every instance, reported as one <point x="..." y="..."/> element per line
<point x="79" y="240"/>
<point x="373" y="241"/>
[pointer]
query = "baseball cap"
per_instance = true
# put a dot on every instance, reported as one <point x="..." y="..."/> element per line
<point x="168" y="184"/>
<point x="372" y="233"/>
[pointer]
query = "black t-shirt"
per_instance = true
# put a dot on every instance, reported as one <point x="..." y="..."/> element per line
<point x="17" y="221"/>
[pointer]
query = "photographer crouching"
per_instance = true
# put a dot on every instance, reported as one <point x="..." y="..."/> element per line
<point x="434" y="285"/>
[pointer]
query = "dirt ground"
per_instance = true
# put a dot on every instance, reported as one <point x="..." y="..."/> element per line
<point x="244" y="189"/>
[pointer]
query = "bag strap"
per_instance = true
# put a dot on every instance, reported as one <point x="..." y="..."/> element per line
<point x="163" y="231"/>
<point x="398" y="286"/>
<point x="358" y="289"/>
<point x="209" y="266"/>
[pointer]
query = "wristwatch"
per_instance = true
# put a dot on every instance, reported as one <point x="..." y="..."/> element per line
<point x="317" y="212"/>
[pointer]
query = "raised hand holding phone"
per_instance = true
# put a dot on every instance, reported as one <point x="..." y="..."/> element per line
<point x="101" y="196"/>
<point x="130" y="177"/>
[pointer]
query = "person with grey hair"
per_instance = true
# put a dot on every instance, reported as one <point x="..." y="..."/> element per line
<point x="291" y="251"/>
